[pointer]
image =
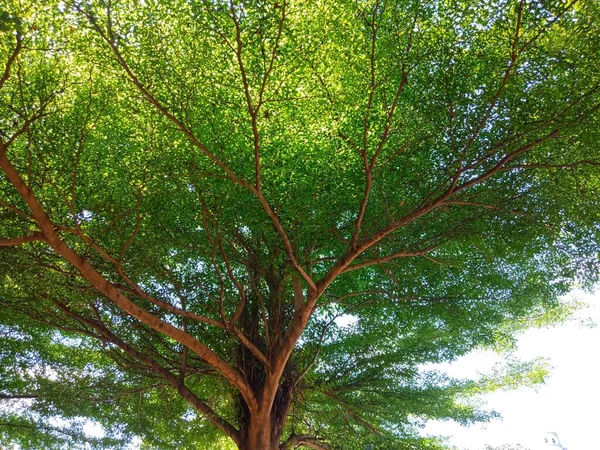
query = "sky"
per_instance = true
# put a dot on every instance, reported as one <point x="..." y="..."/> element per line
<point x="568" y="403"/>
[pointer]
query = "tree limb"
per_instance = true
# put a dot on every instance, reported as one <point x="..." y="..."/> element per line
<point x="11" y="59"/>
<point x="112" y="293"/>
<point x="22" y="240"/>
<point x="176" y="382"/>
<point x="301" y="317"/>
<point x="583" y="162"/>
<point x="383" y="259"/>
<point x="304" y="440"/>
<point x="17" y="397"/>
<point x="196" y="142"/>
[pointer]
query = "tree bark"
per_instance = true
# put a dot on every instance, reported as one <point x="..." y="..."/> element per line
<point x="258" y="435"/>
<point x="263" y="430"/>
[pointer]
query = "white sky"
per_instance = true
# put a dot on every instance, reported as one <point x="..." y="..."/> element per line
<point x="567" y="404"/>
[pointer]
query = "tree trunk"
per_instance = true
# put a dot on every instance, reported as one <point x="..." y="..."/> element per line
<point x="263" y="431"/>
<point x="259" y="436"/>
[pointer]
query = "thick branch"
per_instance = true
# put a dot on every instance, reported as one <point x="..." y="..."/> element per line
<point x="21" y="240"/>
<point x="134" y="289"/>
<point x="112" y="293"/>
<point x="176" y="382"/>
<point x="301" y="317"/>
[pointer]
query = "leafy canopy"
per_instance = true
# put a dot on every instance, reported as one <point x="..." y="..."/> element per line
<point x="255" y="223"/>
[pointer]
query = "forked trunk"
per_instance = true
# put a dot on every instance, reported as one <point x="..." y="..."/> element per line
<point x="262" y="430"/>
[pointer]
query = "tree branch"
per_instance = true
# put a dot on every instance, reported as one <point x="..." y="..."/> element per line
<point x="301" y="317"/>
<point x="514" y="53"/>
<point x="112" y="293"/>
<point x="134" y="287"/>
<point x="196" y="142"/>
<point x="17" y="397"/>
<point x="176" y="382"/>
<point x="370" y="164"/>
<point x="150" y="98"/>
<point x="304" y="440"/>
<point x="383" y="259"/>
<point x="22" y="240"/>
<point x="11" y="59"/>
<point x="583" y="162"/>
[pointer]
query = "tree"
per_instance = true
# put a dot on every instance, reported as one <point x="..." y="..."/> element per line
<point x="258" y="221"/>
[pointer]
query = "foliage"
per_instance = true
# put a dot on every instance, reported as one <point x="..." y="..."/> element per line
<point x="256" y="223"/>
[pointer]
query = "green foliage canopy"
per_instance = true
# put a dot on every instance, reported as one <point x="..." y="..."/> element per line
<point x="194" y="193"/>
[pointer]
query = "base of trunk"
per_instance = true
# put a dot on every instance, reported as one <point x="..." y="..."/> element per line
<point x="259" y="436"/>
